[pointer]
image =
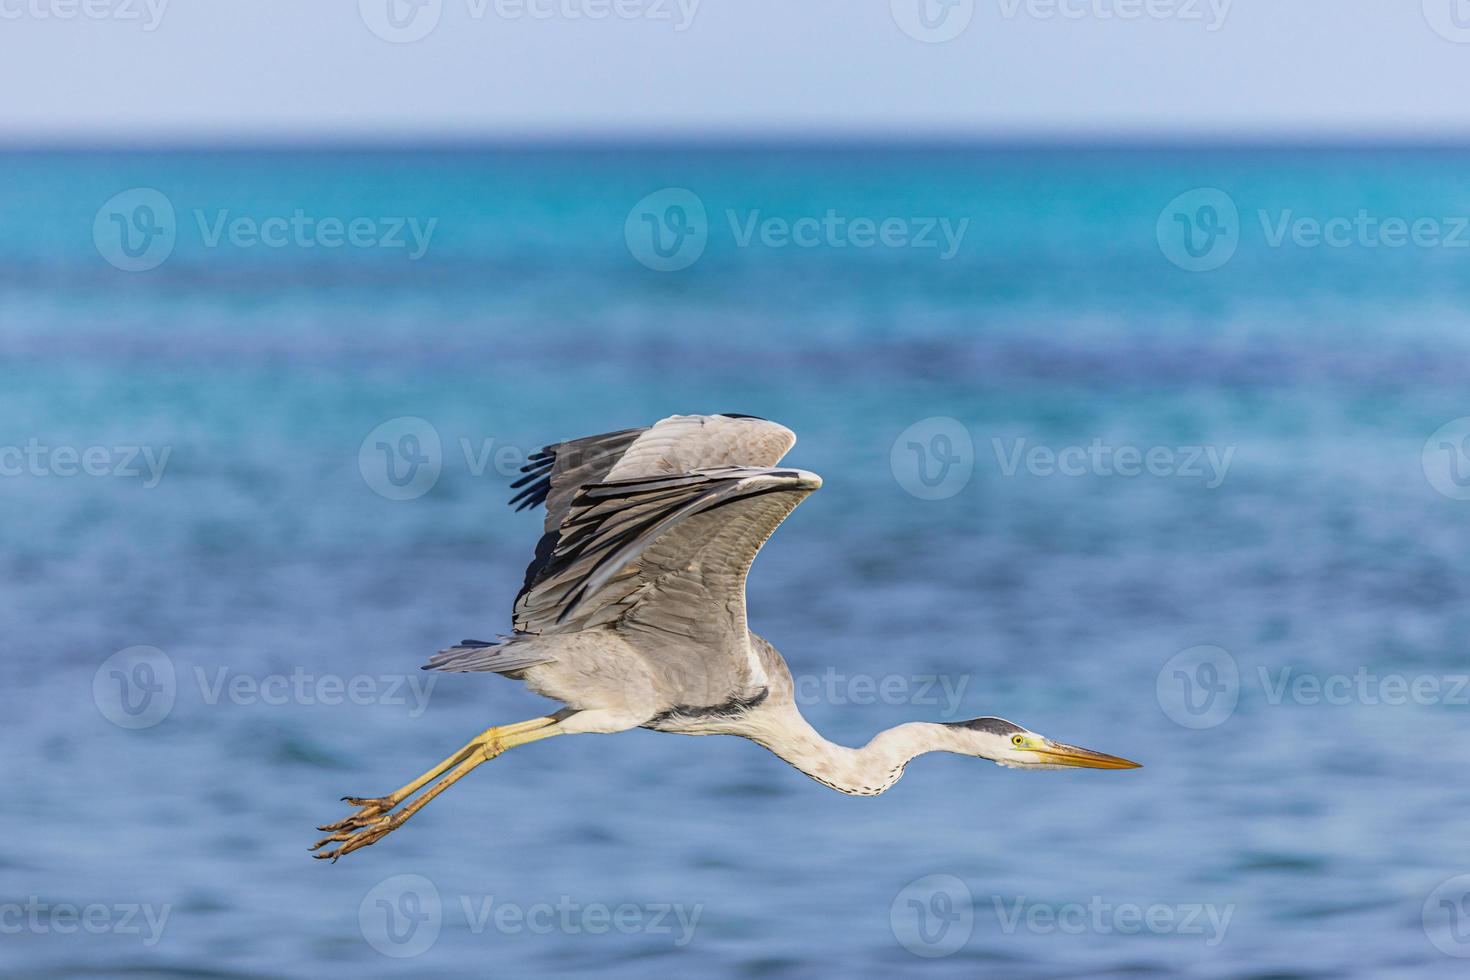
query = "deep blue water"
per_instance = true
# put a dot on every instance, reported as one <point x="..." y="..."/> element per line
<point x="1293" y="835"/>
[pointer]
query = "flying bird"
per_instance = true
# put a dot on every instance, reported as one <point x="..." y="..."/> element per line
<point x="632" y="615"/>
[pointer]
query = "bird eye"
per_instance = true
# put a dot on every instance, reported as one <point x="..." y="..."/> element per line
<point x="1018" y="740"/>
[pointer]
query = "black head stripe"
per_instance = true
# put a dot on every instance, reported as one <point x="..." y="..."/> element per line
<point x="994" y="726"/>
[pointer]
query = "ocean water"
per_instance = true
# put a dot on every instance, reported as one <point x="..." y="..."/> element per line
<point x="1195" y="501"/>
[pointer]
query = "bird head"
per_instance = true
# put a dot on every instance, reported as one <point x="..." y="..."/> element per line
<point x="1008" y="744"/>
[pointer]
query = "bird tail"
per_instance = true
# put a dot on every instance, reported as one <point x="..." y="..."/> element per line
<point x="503" y="655"/>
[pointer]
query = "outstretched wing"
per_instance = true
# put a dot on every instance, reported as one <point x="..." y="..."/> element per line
<point x="677" y="444"/>
<point x="652" y="530"/>
<point x="619" y="529"/>
<point x="664" y="560"/>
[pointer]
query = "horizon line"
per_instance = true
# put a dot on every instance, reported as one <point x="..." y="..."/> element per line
<point x="732" y="140"/>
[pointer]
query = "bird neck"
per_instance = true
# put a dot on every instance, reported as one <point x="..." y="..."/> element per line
<point x="865" y="771"/>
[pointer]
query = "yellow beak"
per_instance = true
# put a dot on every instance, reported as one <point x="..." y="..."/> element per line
<point x="1058" y="754"/>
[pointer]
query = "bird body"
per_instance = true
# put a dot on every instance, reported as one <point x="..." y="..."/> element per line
<point x="632" y="615"/>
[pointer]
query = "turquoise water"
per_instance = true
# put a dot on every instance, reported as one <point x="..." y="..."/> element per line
<point x="258" y="552"/>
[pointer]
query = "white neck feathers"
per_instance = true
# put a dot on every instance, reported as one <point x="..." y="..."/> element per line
<point x="867" y="771"/>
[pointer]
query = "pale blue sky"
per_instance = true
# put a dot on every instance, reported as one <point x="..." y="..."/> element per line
<point x="201" y="69"/>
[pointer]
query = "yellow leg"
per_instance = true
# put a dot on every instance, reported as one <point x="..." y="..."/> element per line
<point x="374" y="806"/>
<point x="373" y="821"/>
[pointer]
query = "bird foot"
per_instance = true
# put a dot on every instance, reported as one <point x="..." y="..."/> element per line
<point x="371" y="809"/>
<point x="361" y="832"/>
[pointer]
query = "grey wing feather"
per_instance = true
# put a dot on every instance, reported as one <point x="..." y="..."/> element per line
<point x="679" y="444"/>
<point x="651" y="532"/>
<point x="555" y="473"/>
<point x="631" y="543"/>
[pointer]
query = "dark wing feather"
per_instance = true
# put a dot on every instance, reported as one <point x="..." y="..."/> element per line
<point x="593" y="573"/>
<point x="554" y="474"/>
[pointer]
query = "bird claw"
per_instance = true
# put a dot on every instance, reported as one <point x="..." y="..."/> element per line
<point x="371" y="809"/>
<point x="351" y="823"/>
<point x="363" y="836"/>
<point x="370" y="824"/>
<point x="379" y="802"/>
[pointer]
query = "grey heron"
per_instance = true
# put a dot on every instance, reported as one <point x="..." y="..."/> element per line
<point x="632" y="615"/>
